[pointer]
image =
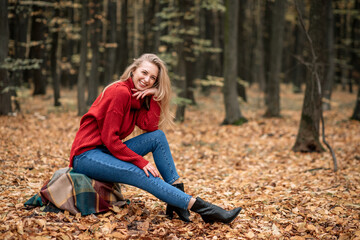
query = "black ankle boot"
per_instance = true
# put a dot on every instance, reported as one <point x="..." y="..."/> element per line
<point x="211" y="213"/>
<point x="182" y="213"/>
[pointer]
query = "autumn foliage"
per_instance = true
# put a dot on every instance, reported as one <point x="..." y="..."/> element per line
<point x="284" y="195"/>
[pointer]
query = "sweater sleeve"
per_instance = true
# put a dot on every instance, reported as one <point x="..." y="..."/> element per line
<point x="110" y="131"/>
<point x="148" y="120"/>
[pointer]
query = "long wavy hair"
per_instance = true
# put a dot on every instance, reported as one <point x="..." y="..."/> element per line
<point x="162" y="83"/>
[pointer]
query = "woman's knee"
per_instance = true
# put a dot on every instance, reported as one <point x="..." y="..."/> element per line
<point x="159" y="134"/>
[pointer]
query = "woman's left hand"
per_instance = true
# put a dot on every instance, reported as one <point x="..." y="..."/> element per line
<point x="147" y="92"/>
<point x="150" y="168"/>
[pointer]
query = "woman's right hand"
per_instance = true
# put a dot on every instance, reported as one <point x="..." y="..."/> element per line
<point x="147" y="92"/>
<point x="150" y="168"/>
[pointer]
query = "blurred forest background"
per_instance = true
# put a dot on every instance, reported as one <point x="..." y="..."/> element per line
<point x="63" y="43"/>
<point x="231" y="62"/>
<point x="206" y="43"/>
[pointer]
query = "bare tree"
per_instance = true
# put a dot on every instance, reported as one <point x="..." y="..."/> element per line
<point x="83" y="58"/>
<point x="232" y="109"/>
<point x="38" y="31"/>
<point x="5" y="98"/>
<point x="95" y="33"/>
<point x="111" y="55"/>
<point x="300" y="70"/>
<point x="308" y="136"/>
<point x="272" y="87"/>
<point x="356" y="114"/>
<point x="55" y="56"/>
<point x="330" y="62"/>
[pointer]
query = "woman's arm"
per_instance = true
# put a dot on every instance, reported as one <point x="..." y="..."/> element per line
<point x="148" y="119"/>
<point x="110" y="137"/>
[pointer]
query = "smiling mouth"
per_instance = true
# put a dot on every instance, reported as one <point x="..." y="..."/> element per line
<point x="142" y="84"/>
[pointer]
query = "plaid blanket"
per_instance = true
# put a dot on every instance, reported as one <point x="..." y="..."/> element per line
<point x="77" y="193"/>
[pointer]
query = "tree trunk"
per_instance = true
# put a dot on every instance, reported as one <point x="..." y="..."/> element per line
<point x="299" y="69"/>
<point x="95" y="34"/>
<point x="149" y="23"/>
<point x="355" y="59"/>
<point x="54" y="57"/>
<point x="269" y="9"/>
<point x="109" y="73"/>
<point x="344" y="44"/>
<point x="330" y="66"/>
<point x="20" y="29"/>
<point x="122" y="50"/>
<point x="356" y="114"/>
<point x="185" y="61"/>
<point x="259" y="73"/>
<point x="38" y="51"/>
<point x="69" y="73"/>
<point x="181" y="84"/>
<point x="5" y="98"/>
<point x="272" y="93"/>
<point x="244" y="47"/>
<point x="232" y="109"/>
<point x="83" y="59"/>
<point x="308" y="136"/>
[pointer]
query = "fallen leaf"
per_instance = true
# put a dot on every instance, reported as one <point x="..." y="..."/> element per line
<point x="20" y="227"/>
<point x="275" y="231"/>
<point x="250" y="234"/>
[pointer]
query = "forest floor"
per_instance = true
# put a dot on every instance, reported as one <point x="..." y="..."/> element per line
<point x="284" y="195"/>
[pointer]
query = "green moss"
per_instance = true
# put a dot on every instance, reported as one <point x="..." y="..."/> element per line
<point x="240" y="121"/>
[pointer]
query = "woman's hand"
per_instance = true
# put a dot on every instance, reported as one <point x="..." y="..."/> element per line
<point x="150" y="168"/>
<point x="147" y="92"/>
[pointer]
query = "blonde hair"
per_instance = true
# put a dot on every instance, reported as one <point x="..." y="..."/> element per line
<point x="162" y="83"/>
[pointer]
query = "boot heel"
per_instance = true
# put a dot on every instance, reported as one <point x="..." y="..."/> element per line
<point x="169" y="211"/>
<point x="211" y="213"/>
<point x="182" y="213"/>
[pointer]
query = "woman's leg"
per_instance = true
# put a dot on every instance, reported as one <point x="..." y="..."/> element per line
<point x="156" y="143"/>
<point x="99" y="164"/>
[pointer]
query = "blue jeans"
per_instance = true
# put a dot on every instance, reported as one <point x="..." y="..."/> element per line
<point x="99" y="164"/>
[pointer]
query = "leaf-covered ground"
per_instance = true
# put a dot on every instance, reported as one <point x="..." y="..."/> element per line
<point x="284" y="195"/>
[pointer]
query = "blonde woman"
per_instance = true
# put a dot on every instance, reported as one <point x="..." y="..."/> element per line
<point x="141" y="97"/>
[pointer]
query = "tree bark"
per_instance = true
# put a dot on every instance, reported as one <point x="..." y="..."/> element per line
<point x="54" y="58"/>
<point x="149" y="22"/>
<point x="83" y="59"/>
<point x="185" y="61"/>
<point x="244" y="48"/>
<point x="330" y="61"/>
<point x="272" y="93"/>
<point x="356" y="114"/>
<point x="38" y="51"/>
<point x="259" y="72"/>
<point x="5" y="98"/>
<point x="95" y="34"/>
<point x="299" y="71"/>
<point x="232" y="109"/>
<point x="20" y="28"/>
<point x="355" y="59"/>
<point x="109" y="73"/>
<point x="308" y="135"/>
<point x="68" y="76"/>
<point x="122" y="50"/>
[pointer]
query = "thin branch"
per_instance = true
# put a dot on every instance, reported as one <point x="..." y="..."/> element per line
<point x="315" y="72"/>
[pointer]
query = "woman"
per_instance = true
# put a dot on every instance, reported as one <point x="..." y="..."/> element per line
<point x="141" y="97"/>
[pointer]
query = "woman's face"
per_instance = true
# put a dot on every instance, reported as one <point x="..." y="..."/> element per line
<point x="145" y="75"/>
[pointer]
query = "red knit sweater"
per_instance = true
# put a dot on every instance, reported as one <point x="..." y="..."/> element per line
<point x="112" y="118"/>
